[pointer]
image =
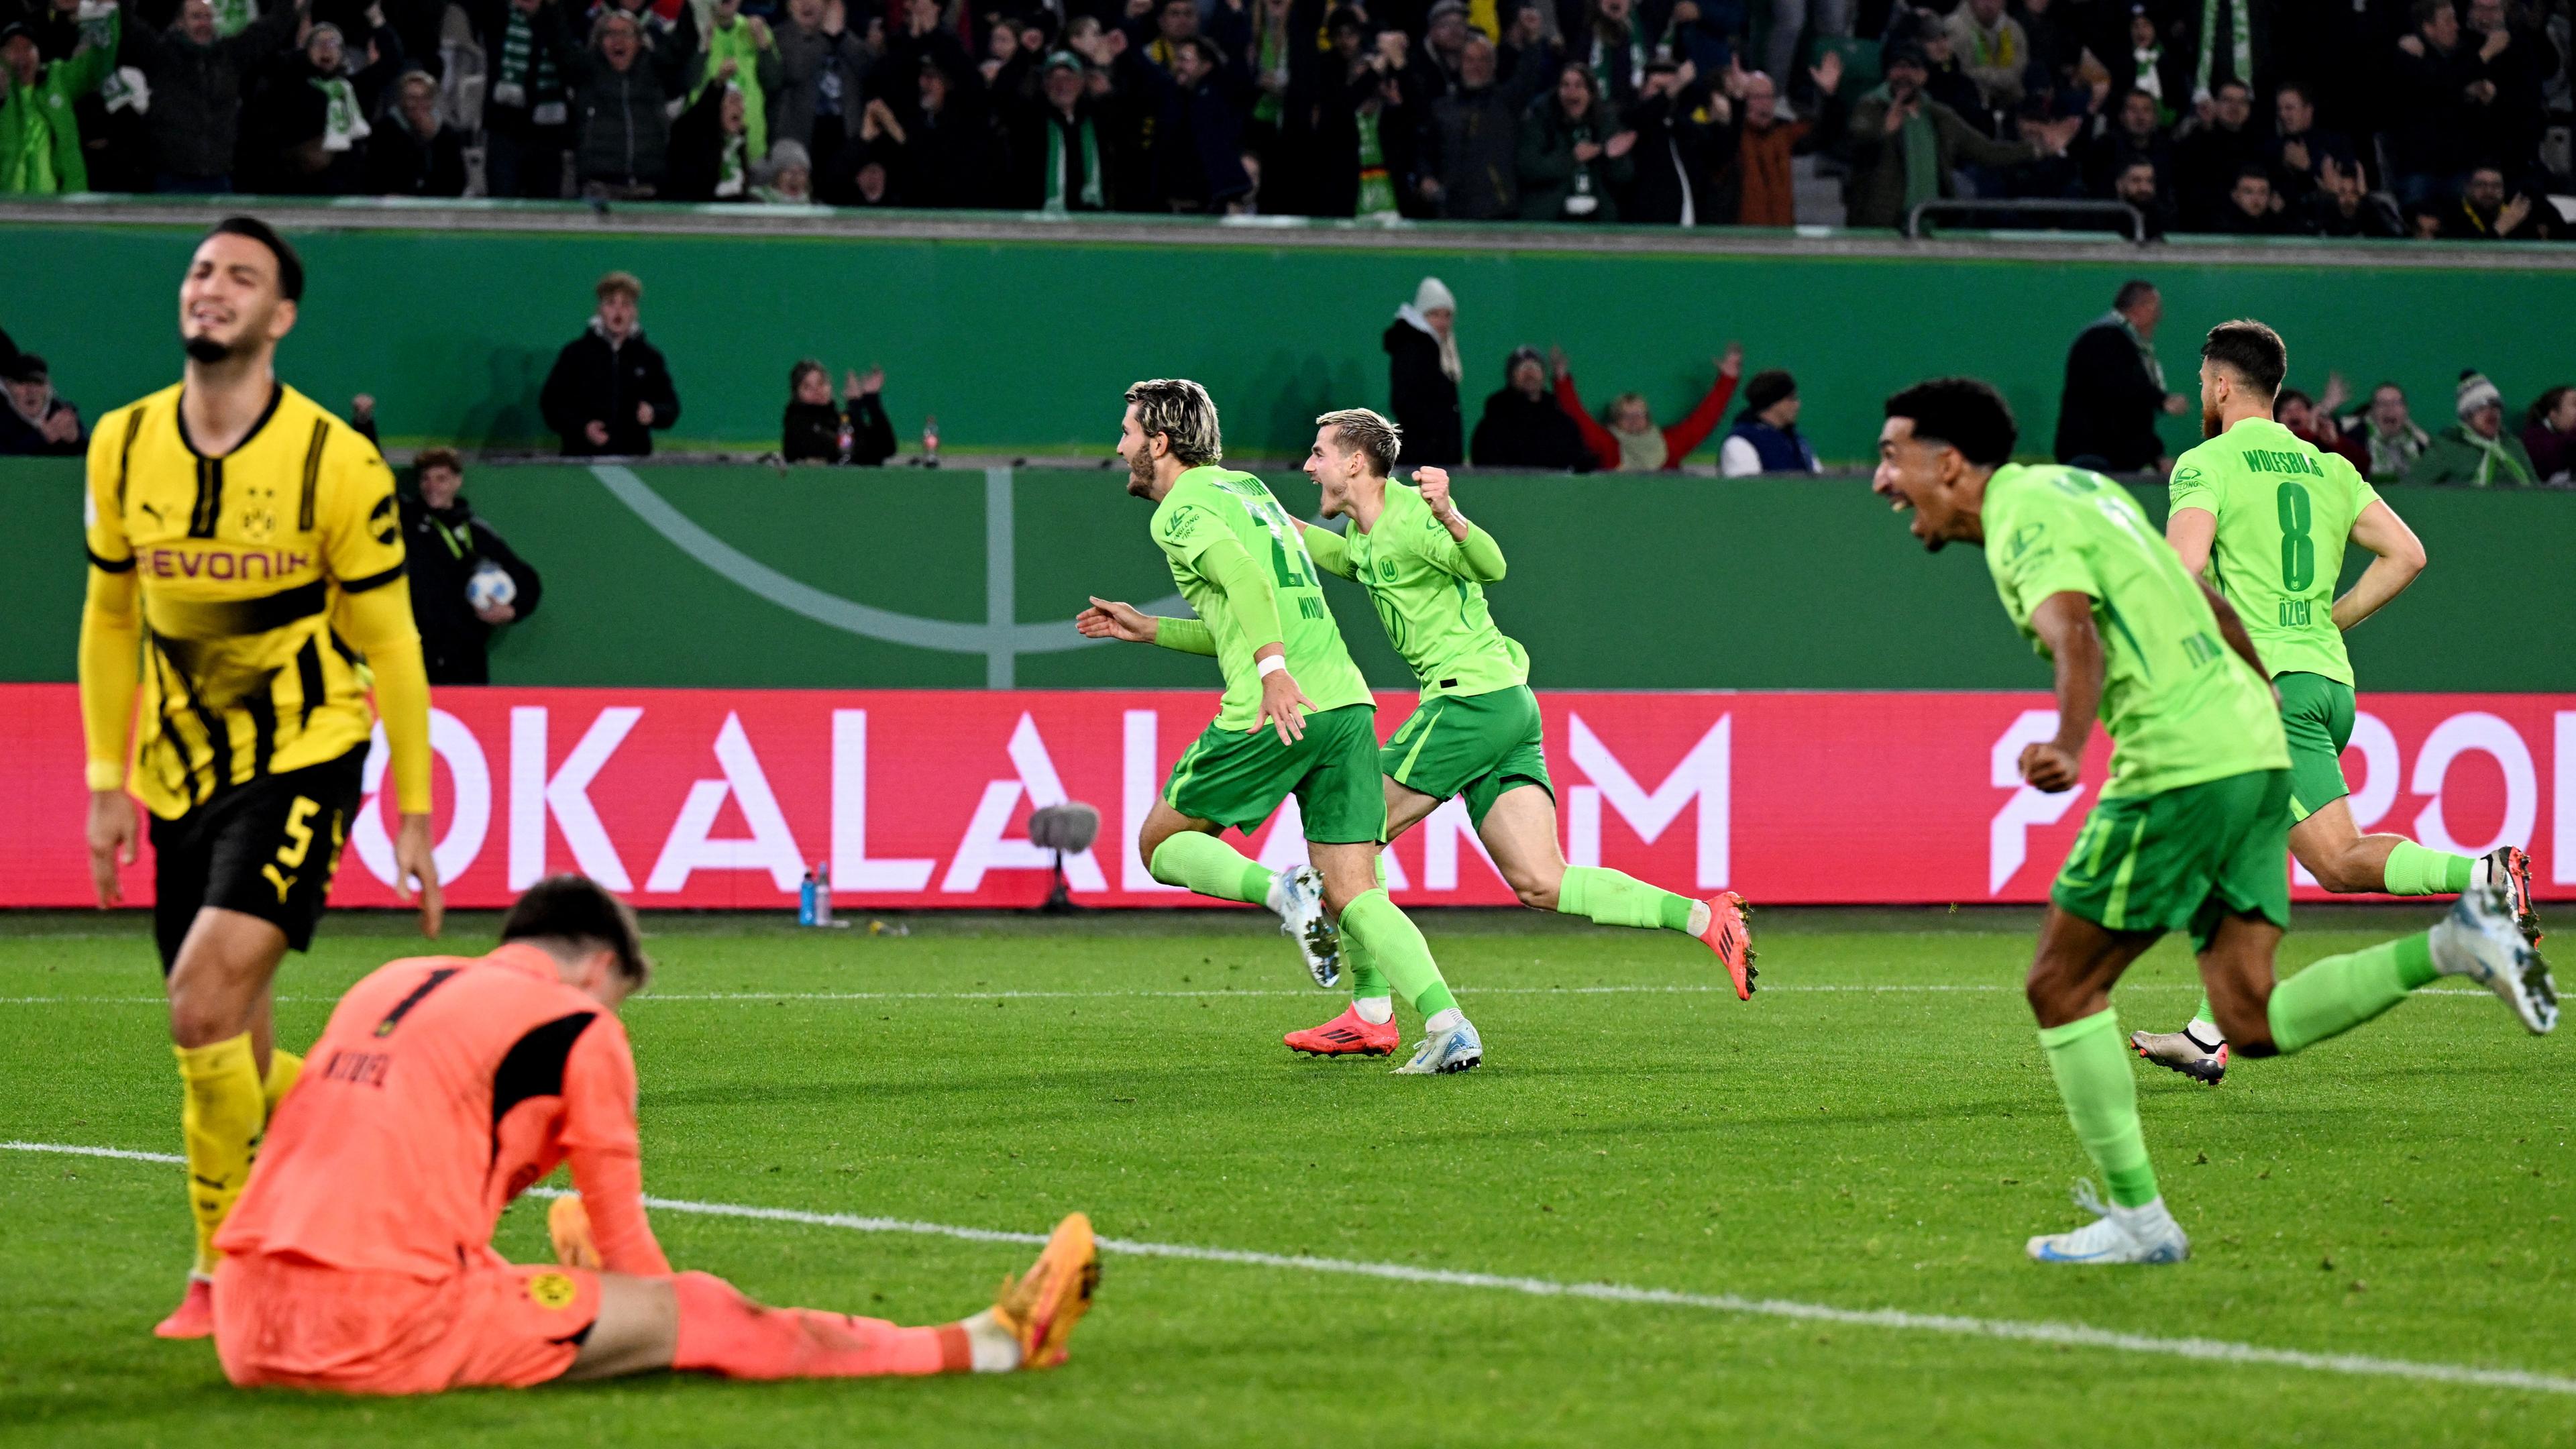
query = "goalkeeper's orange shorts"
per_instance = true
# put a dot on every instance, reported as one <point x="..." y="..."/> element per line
<point x="298" y="1324"/>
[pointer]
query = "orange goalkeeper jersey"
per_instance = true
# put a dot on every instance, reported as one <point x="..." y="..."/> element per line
<point x="443" y="1087"/>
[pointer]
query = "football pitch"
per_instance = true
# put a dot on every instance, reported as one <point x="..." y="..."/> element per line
<point x="1657" y="1215"/>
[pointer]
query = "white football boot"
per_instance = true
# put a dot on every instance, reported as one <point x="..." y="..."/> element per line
<point x="1455" y="1050"/>
<point x="2482" y="940"/>
<point x="2146" y="1234"/>
<point x="1298" y="896"/>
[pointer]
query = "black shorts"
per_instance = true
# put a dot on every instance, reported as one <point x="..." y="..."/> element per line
<point x="265" y="849"/>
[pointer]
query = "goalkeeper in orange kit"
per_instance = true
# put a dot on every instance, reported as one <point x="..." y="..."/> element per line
<point x="360" y="1259"/>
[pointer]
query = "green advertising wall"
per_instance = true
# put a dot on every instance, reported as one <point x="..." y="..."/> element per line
<point x="960" y="578"/>
<point x="1022" y="347"/>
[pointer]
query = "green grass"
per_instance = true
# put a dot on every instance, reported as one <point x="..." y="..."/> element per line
<point x="2402" y="1192"/>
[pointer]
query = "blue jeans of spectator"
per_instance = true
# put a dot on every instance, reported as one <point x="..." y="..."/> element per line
<point x="1789" y="21"/>
<point x="175" y="184"/>
<point x="528" y="164"/>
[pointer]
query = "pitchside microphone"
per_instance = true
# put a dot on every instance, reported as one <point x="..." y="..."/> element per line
<point x="1071" y="826"/>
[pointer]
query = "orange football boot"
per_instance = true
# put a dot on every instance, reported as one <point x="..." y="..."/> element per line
<point x="1731" y="939"/>
<point x="1347" y="1036"/>
<point x="195" y="1315"/>
<point x="1041" y="1308"/>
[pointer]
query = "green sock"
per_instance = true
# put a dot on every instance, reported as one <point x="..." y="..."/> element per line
<point x="2416" y="871"/>
<point x="1208" y="865"/>
<point x="2202" y="1011"/>
<point x="2341" y="992"/>
<point x="1395" y="944"/>
<point x="1367" y="982"/>
<point x="1614" y="899"/>
<point x="2091" y="1064"/>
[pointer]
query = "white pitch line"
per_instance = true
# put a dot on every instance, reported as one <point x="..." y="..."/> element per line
<point x="1615" y="990"/>
<point x="2071" y="1335"/>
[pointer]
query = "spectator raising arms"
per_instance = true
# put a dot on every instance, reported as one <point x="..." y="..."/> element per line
<point x="198" y="79"/>
<point x="444" y="546"/>
<point x="2549" y="436"/>
<point x="2476" y="451"/>
<point x="1422" y="376"/>
<point x="1524" y="428"/>
<point x="609" y="388"/>
<point x="1765" y="438"/>
<point x="1906" y="147"/>
<point x="814" y="431"/>
<point x="40" y="141"/>
<point x="2106" y="415"/>
<point x="1631" y="443"/>
<point x="36" y="422"/>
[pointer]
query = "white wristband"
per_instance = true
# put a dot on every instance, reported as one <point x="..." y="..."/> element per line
<point x="1273" y="665"/>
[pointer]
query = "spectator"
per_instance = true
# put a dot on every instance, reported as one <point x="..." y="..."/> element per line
<point x="2144" y="62"/>
<point x="711" y="154"/>
<point x="421" y="156"/>
<point x="2549" y="436"/>
<point x="2252" y="209"/>
<point x="2483" y="214"/>
<point x="2389" y="438"/>
<point x="1529" y="51"/>
<point x="1906" y="147"/>
<point x="527" y="112"/>
<point x="2342" y="208"/>
<point x="2141" y="187"/>
<point x="1362" y="138"/>
<point x="2211" y="156"/>
<point x="1066" y="151"/>
<point x="40" y="139"/>
<point x="2133" y="136"/>
<point x="2106" y="416"/>
<point x="444" y="546"/>
<point x="196" y="79"/>
<point x="1470" y="158"/>
<point x="2504" y="101"/>
<point x="1756" y="147"/>
<point x="2313" y="422"/>
<point x="822" y="67"/>
<point x="305" y="129"/>
<point x="1944" y="79"/>
<point x="1631" y="443"/>
<point x="739" y="49"/>
<point x="2429" y="105"/>
<point x="37" y="421"/>
<point x="1765" y="437"/>
<point x="1674" y="134"/>
<point x="1198" y="107"/>
<point x="1992" y="48"/>
<point x="1524" y="428"/>
<point x="814" y="431"/>
<point x="1422" y="376"/>
<point x="2476" y="451"/>
<point x="2298" y="151"/>
<point x="610" y="388"/>
<point x="621" y="93"/>
<point x="1613" y="50"/>
<point x="1573" y="156"/>
<point x="947" y="143"/>
<point x="789" y="174"/>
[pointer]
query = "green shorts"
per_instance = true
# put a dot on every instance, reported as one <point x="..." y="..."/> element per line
<point x="1476" y="745"/>
<point x="1237" y="778"/>
<point x="2316" y="713"/>
<point x="2183" y="858"/>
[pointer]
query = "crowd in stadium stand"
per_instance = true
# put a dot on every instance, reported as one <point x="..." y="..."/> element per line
<point x="2255" y="117"/>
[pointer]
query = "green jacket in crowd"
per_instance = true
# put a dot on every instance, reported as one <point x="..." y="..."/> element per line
<point x="2463" y="459"/>
<point x="40" y="144"/>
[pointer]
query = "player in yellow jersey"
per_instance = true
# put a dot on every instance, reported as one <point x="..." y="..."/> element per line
<point x="245" y="578"/>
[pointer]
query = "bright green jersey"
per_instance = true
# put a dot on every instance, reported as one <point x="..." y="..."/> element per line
<point x="2181" y="708"/>
<point x="1217" y="524"/>
<point x="2284" y="512"/>
<point x="1429" y="592"/>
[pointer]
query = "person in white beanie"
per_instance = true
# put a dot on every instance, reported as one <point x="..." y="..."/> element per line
<point x="1422" y="376"/>
<point x="2476" y="451"/>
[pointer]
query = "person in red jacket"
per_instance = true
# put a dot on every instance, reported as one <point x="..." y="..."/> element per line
<point x="1631" y="443"/>
<point x="360" y="1260"/>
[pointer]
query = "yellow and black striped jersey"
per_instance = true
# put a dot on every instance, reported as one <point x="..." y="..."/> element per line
<point x="245" y="566"/>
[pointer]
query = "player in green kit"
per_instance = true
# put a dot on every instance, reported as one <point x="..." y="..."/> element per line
<point x="1476" y="733"/>
<point x="1297" y="718"/>
<point x="2265" y="517"/>
<point x="2189" y="831"/>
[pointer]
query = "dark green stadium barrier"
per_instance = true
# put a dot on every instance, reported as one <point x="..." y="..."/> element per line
<point x="1021" y="347"/>
<point x="1614" y="583"/>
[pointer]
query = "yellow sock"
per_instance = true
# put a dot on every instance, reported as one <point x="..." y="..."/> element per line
<point x="220" y="1117"/>
<point x="283" y="1068"/>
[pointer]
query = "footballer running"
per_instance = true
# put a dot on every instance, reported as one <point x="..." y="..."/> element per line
<point x="1296" y="717"/>
<point x="2190" y="830"/>
<point x="2265" y="517"/>
<point x="246" y="580"/>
